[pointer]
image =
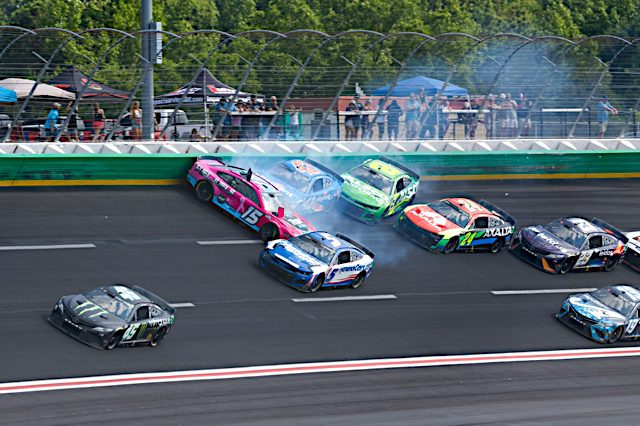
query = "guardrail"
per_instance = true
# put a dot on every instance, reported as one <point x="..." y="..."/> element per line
<point x="165" y="164"/>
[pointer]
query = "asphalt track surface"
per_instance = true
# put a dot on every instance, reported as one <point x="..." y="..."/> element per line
<point x="444" y="306"/>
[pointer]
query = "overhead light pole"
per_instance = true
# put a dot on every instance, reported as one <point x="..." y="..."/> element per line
<point x="146" y="18"/>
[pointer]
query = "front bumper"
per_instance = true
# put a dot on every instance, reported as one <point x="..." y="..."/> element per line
<point x="632" y="259"/>
<point x="360" y="211"/>
<point x="80" y="332"/>
<point x="593" y="330"/>
<point x="417" y="235"/>
<point x="284" y="272"/>
<point x="529" y="254"/>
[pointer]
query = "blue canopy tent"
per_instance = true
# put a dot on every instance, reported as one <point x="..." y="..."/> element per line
<point x="414" y="84"/>
<point x="7" y="96"/>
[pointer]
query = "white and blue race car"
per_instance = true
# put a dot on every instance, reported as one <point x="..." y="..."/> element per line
<point x="317" y="259"/>
<point x="606" y="315"/>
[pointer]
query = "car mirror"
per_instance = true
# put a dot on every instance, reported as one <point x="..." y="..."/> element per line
<point x="280" y="212"/>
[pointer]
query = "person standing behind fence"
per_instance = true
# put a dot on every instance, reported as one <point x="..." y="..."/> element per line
<point x="604" y="108"/>
<point x="52" y="119"/>
<point x="394" y="112"/>
<point x="365" y="120"/>
<point x="72" y="127"/>
<point x="99" y="119"/>
<point x="136" y="121"/>
<point x="413" y="111"/>
<point x="381" y="119"/>
<point x="294" y="122"/>
<point x="349" y="121"/>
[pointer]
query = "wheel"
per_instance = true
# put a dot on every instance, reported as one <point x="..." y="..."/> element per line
<point x="611" y="263"/>
<point x="358" y="281"/>
<point x="269" y="232"/>
<point x="113" y="342"/>
<point x="617" y="333"/>
<point x="157" y="338"/>
<point x="317" y="284"/>
<point x="204" y="191"/>
<point x="497" y="245"/>
<point x="566" y="266"/>
<point x="451" y="245"/>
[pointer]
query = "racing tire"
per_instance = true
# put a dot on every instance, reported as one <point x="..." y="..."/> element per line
<point x="157" y="338"/>
<point x="617" y="333"/>
<point x="317" y="284"/>
<point x="611" y="263"/>
<point x="451" y="246"/>
<point x="566" y="266"/>
<point x="358" y="281"/>
<point x="269" y="232"/>
<point x="496" y="246"/>
<point x="113" y="342"/>
<point x="204" y="191"/>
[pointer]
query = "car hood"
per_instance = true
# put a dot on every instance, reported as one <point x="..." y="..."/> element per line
<point x="89" y="313"/>
<point x="427" y="219"/>
<point x="294" y="256"/>
<point x="590" y="307"/>
<point x="363" y="192"/>
<point x="544" y="240"/>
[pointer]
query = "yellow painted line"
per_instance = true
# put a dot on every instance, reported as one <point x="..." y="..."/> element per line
<point x="90" y="182"/>
<point x="534" y="176"/>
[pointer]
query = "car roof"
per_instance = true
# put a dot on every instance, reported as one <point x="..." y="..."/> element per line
<point x="322" y="236"/>
<point x="126" y="294"/>
<point x="257" y="180"/>
<point x="582" y="225"/>
<point x="304" y="168"/>
<point x="385" y="169"/>
<point x="468" y="206"/>
<point x="630" y="293"/>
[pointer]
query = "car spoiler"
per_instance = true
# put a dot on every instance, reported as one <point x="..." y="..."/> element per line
<point x="493" y="208"/>
<point x="155" y="299"/>
<point x="211" y="157"/>
<point x="326" y="169"/>
<point x="356" y="244"/>
<point x="610" y="229"/>
<point x="410" y="172"/>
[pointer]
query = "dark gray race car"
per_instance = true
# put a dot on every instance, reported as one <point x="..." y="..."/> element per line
<point x="114" y="315"/>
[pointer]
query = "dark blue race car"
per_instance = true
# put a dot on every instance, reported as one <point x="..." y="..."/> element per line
<point x="317" y="259"/>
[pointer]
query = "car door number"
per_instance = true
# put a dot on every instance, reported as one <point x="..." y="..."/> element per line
<point x="131" y="332"/>
<point x="251" y="215"/>
<point x="584" y="258"/>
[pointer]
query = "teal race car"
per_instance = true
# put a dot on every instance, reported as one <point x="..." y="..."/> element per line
<point x="377" y="189"/>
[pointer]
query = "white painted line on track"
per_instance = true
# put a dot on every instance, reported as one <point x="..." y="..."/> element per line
<point x="345" y="298"/>
<point x="229" y="242"/>
<point x="307" y="368"/>
<point x="182" y="305"/>
<point x="544" y="291"/>
<point x="48" y="247"/>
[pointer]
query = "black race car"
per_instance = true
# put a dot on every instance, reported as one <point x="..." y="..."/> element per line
<point x="114" y="315"/>
<point x="570" y="243"/>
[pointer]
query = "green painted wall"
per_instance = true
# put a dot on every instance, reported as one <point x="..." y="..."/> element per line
<point x="20" y="168"/>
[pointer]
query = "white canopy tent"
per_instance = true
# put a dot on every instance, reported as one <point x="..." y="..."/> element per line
<point x="23" y="86"/>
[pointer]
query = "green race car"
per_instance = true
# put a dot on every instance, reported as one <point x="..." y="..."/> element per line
<point x="376" y="189"/>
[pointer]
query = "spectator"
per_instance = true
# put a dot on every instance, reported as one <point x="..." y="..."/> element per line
<point x="273" y="104"/>
<point x="51" y="122"/>
<point x="524" y="118"/>
<point x="350" y="121"/>
<point x="222" y="117"/>
<point x="502" y="115"/>
<point x="365" y="120"/>
<point x="490" y="116"/>
<point x="381" y="119"/>
<point x="72" y="127"/>
<point x="294" y="122"/>
<point x="136" y="121"/>
<point x="428" y="120"/>
<point x="195" y="136"/>
<point x="468" y="119"/>
<point x="443" y="117"/>
<point x="357" y="119"/>
<point x="413" y="111"/>
<point x="99" y="119"/>
<point x="394" y="112"/>
<point x="604" y="108"/>
<point x="236" y="121"/>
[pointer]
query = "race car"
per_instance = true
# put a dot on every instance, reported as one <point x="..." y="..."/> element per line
<point x="570" y="243"/>
<point x="308" y="186"/>
<point x="456" y="224"/>
<point x="114" y="315"/>
<point x="632" y="255"/>
<point x="377" y="189"/>
<point x="605" y="315"/>
<point x="317" y="259"/>
<point x="246" y="196"/>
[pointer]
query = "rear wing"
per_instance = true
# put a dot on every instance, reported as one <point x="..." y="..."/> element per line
<point x="212" y="157"/>
<point x="155" y="299"/>
<point x="402" y="167"/>
<point x="356" y="244"/>
<point x="610" y="229"/>
<point x="495" y="209"/>
<point x="327" y="170"/>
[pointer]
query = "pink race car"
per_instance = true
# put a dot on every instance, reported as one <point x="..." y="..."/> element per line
<point x="246" y="196"/>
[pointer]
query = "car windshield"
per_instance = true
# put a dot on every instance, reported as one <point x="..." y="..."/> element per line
<point x="291" y="177"/>
<point x="615" y="301"/>
<point x="450" y="211"/>
<point x="373" y="178"/>
<point x="271" y="201"/>
<point x="566" y="233"/>
<point x="109" y="303"/>
<point x="313" y="247"/>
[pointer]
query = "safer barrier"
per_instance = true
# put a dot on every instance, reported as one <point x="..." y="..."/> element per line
<point x="168" y="169"/>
